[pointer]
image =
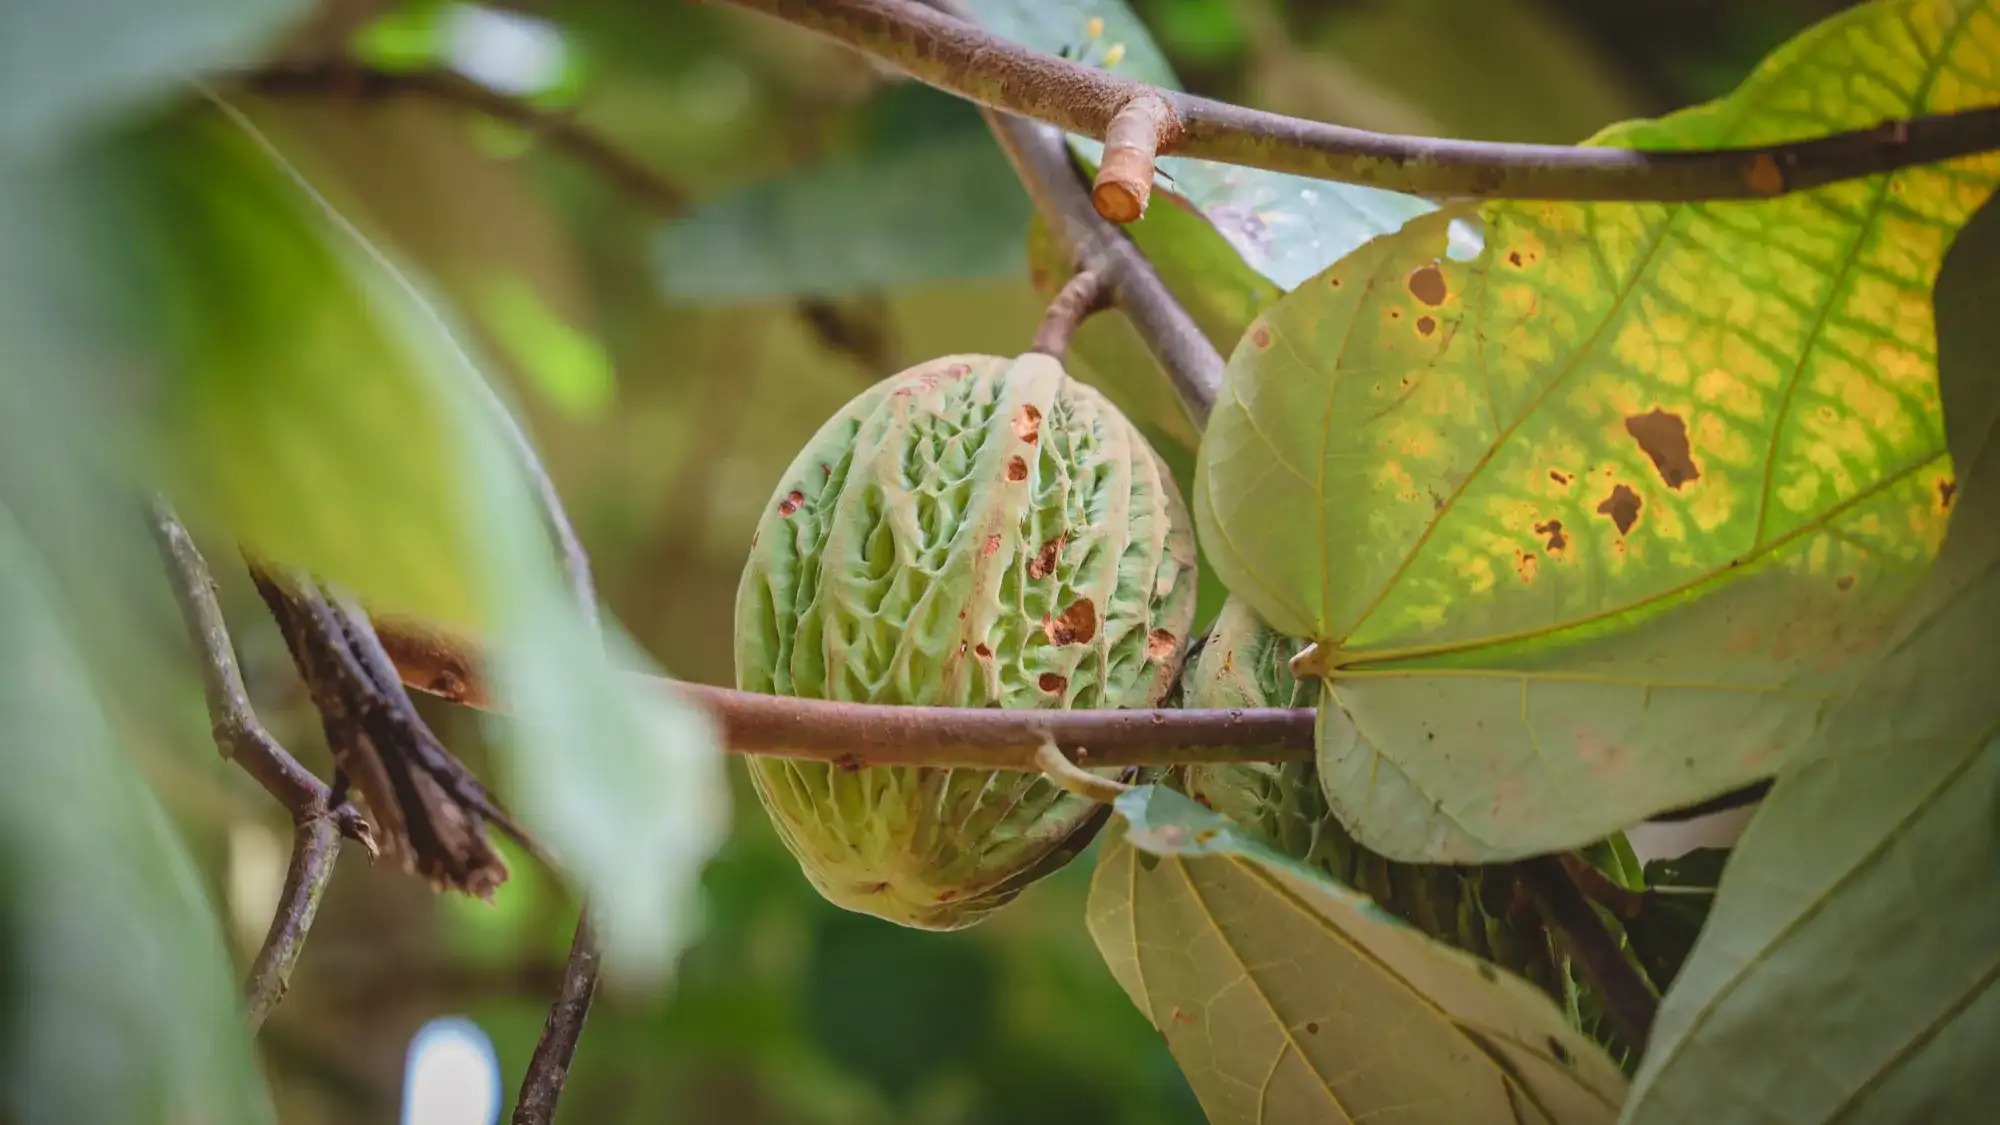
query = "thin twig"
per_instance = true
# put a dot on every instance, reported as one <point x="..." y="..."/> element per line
<point x="955" y="56"/>
<point x="1629" y="1003"/>
<point x="1084" y="293"/>
<point x="317" y="822"/>
<point x="1041" y="159"/>
<point x="315" y="846"/>
<point x="542" y="1087"/>
<point x="347" y="79"/>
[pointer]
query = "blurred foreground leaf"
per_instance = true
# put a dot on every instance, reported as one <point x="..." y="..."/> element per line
<point x="66" y="66"/>
<point x="333" y="421"/>
<point x="1593" y="524"/>
<point x="1288" y="998"/>
<point x="120" y="1005"/>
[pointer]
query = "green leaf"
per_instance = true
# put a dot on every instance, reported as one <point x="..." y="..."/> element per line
<point x="1847" y="971"/>
<point x="946" y="209"/>
<point x="1285" y="227"/>
<point x="116" y="979"/>
<point x="1595" y="523"/>
<point x="1288" y="998"/>
<point x="64" y="67"/>
<point x="565" y="364"/>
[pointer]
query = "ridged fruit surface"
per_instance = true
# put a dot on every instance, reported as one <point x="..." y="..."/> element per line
<point x="973" y="532"/>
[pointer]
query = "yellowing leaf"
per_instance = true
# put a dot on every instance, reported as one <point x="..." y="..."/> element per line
<point x="1287" y="998"/>
<point x="1596" y="521"/>
<point x="1847" y="971"/>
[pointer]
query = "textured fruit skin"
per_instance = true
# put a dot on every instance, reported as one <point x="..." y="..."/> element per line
<point x="973" y="532"/>
<point x="1245" y="663"/>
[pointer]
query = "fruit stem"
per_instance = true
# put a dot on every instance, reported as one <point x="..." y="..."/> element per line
<point x="1084" y="293"/>
<point x="1056" y="766"/>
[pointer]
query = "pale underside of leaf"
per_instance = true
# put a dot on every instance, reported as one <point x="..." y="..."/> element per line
<point x="1594" y="523"/>
<point x="1288" y="999"/>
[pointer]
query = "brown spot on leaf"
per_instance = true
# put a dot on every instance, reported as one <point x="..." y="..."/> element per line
<point x="1622" y="506"/>
<point x="1514" y="258"/>
<point x="1044" y="562"/>
<point x="1554" y="530"/>
<point x="1017" y="469"/>
<point x="1766" y="178"/>
<point x="1426" y="325"/>
<point x="1077" y="624"/>
<point x="1028" y="423"/>
<point x="1052" y="683"/>
<point x="1312" y="1028"/>
<point x="991" y="547"/>
<point x="1664" y="438"/>
<point x="1844" y="582"/>
<point x="1560" y="477"/>
<point x="1395" y="314"/>
<point x="1947" y="491"/>
<point x="1159" y="644"/>
<point x="1333" y="282"/>
<point x="791" y="503"/>
<point x="1427" y="285"/>
<point x="1526" y="564"/>
<point x="1260" y="337"/>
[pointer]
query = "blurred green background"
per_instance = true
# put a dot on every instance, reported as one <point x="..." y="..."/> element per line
<point x="805" y="225"/>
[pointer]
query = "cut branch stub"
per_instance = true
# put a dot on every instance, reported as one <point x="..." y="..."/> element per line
<point x="1138" y="131"/>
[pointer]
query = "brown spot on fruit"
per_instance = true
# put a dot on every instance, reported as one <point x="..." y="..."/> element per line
<point x="1664" y="438"/>
<point x="1426" y="325"/>
<point x="1844" y="582"/>
<point x="1159" y="644"/>
<point x="791" y="503"/>
<point x="1260" y="337"/>
<point x="1044" y="562"/>
<point x="1554" y="530"/>
<point x="1017" y="469"/>
<point x="1028" y="423"/>
<point x="991" y="547"/>
<point x="1052" y="683"/>
<point x="1427" y="285"/>
<point x="848" y="762"/>
<point x="1947" y="490"/>
<point x="1622" y="506"/>
<point x="825" y="471"/>
<point x="1076" y="626"/>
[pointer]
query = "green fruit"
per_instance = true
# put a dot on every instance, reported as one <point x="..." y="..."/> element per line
<point x="1245" y="663"/>
<point x="974" y="532"/>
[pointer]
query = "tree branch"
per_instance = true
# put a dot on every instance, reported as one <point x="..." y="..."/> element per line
<point x="318" y="821"/>
<point x="340" y="78"/>
<point x="861" y="734"/>
<point x="956" y="56"/>
<point x="1628" y="1002"/>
